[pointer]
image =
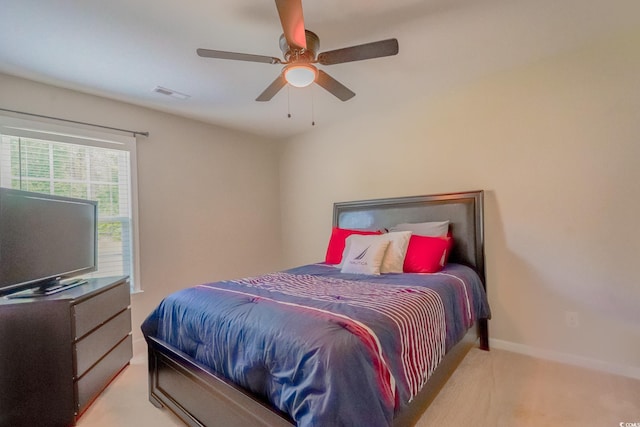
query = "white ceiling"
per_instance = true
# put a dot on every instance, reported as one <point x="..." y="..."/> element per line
<point x="123" y="49"/>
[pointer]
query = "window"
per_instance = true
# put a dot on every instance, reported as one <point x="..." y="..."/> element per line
<point x="75" y="162"/>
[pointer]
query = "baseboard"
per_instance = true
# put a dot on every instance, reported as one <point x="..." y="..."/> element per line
<point x="570" y="359"/>
<point x="139" y="346"/>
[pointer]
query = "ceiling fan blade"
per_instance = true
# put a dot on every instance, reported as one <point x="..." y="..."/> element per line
<point x="273" y="88"/>
<point x="220" y="54"/>
<point x="334" y="87"/>
<point x="292" y="21"/>
<point x="378" y="49"/>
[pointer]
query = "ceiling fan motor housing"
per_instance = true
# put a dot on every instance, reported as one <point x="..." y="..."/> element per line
<point x="301" y="55"/>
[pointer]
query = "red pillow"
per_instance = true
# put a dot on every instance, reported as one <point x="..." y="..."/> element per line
<point x="427" y="254"/>
<point x="337" y="242"/>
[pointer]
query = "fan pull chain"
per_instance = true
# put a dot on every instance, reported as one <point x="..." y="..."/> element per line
<point x="288" y="102"/>
<point x="313" y="114"/>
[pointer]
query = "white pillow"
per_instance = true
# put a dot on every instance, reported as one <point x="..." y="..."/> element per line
<point x="393" y="260"/>
<point x="429" y="229"/>
<point x="364" y="254"/>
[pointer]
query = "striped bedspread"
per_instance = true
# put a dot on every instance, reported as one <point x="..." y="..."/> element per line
<point x="325" y="347"/>
<point x="417" y="313"/>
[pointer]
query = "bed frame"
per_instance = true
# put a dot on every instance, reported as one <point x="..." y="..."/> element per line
<point x="201" y="398"/>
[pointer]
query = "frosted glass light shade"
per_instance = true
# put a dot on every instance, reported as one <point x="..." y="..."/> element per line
<point x="300" y="75"/>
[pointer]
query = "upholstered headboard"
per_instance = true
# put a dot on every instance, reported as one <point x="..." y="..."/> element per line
<point x="463" y="210"/>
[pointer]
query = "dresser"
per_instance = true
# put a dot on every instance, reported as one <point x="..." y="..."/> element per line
<point x="59" y="352"/>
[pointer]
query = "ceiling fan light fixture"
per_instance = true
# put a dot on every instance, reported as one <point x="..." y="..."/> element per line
<point x="300" y="75"/>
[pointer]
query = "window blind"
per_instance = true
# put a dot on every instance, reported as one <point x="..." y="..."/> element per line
<point x="68" y="162"/>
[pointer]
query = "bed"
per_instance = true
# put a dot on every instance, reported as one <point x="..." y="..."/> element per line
<point x="299" y="385"/>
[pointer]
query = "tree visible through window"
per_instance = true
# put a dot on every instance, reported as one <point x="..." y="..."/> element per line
<point x="81" y="171"/>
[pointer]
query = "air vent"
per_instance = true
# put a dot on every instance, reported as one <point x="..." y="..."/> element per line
<point x="171" y="92"/>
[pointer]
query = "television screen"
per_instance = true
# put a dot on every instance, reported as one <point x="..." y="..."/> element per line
<point x="44" y="238"/>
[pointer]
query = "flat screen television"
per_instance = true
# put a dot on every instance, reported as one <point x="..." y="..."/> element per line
<point x="45" y="240"/>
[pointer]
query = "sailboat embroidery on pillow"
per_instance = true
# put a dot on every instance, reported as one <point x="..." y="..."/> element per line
<point x="360" y="257"/>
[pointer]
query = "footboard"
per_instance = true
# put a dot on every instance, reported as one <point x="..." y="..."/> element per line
<point x="202" y="399"/>
<point x="199" y="397"/>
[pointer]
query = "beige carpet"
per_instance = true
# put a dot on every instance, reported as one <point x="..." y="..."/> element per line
<point x="489" y="389"/>
<point x="504" y="389"/>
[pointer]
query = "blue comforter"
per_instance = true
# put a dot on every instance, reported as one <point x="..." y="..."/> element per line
<point x="327" y="348"/>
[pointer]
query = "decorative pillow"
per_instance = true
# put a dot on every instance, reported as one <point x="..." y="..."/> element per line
<point x="393" y="260"/>
<point x="427" y="254"/>
<point x="337" y="243"/>
<point x="365" y="254"/>
<point x="433" y="228"/>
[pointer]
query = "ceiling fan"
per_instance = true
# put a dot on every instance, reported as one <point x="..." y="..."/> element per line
<point x="300" y="49"/>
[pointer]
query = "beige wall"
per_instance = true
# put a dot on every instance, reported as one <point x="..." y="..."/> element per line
<point x="208" y="197"/>
<point x="556" y="147"/>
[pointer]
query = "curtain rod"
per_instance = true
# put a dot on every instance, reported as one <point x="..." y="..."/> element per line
<point x="133" y="132"/>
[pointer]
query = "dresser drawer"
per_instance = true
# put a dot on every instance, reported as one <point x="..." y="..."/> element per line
<point x="98" y="377"/>
<point x="92" y="312"/>
<point x="93" y="346"/>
